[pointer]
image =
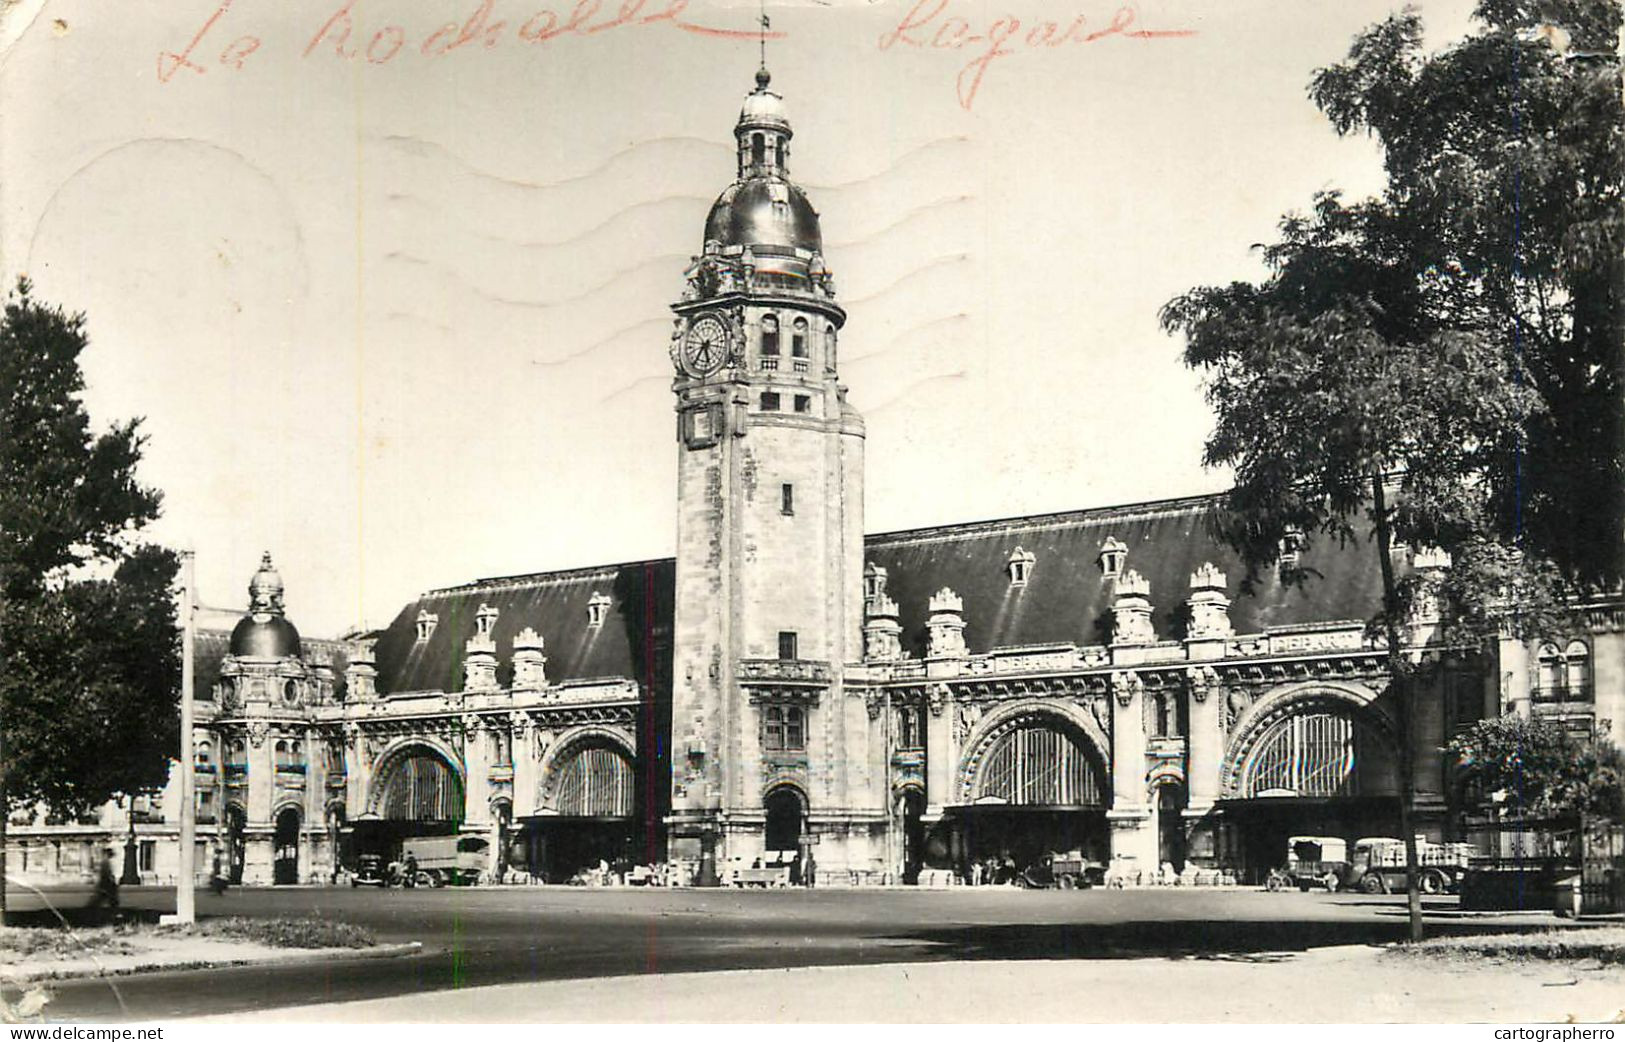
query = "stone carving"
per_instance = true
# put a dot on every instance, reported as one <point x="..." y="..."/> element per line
<point x="1203" y="680"/>
<point x="1209" y="607"/>
<point x="946" y="627"/>
<point x="938" y="698"/>
<point x="966" y="716"/>
<point x="529" y="661"/>
<point x="872" y="701"/>
<point x="257" y="732"/>
<point x="1235" y="704"/>
<point x="1102" y="711"/>
<point x="1125" y="686"/>
<point x="882" y="632"/>
<point x="1131" y="611"/>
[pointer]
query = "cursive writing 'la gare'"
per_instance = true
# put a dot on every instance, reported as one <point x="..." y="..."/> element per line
<point x="931" y="24"/>
<point x="344" y="34"/>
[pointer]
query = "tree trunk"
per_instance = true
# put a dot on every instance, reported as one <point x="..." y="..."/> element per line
<point x="1404" y="691"/>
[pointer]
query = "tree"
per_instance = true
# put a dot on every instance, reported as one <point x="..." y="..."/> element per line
<point x="89" y="659"/>
<point x="1544" y="770"/>
<point x="1505" y="157"/>
<point x="1440" y="366"/>
<point x="1347" y="414"/>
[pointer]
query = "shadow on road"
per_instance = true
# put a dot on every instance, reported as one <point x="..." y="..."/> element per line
<point x="1171" y="939"/>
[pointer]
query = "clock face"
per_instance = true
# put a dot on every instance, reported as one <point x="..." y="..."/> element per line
<point x="706" y="346"/>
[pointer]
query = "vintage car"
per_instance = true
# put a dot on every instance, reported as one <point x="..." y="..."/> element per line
<point x="369" y="871"/>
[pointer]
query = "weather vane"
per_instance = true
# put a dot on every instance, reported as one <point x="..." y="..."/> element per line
<point x="766" y="25"/>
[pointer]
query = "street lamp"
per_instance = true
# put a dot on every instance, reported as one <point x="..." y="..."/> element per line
<point x="185" y="899"/>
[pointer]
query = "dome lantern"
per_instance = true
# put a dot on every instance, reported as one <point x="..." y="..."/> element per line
<point x="265" y="632"/>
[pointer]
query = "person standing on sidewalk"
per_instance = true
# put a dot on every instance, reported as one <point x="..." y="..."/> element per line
<point x="106" y="892"/>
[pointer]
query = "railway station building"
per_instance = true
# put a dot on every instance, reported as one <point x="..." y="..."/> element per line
<point x="893" y="706"/>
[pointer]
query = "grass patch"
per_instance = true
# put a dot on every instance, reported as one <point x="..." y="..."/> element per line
<point x="1606" y="944"/>
<point x="281" y="933"/>
<point x="55" y="942"/>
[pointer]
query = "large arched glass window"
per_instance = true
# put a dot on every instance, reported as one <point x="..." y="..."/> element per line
<point x="770" y="336"/>
<point x="1038" y="765"/>
<point x="798" y="339"/>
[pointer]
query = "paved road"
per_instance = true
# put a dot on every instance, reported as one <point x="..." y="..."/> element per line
<point x="499" y="936"/>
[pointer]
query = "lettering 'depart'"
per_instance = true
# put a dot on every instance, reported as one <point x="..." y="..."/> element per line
<point x="929" y="24"/>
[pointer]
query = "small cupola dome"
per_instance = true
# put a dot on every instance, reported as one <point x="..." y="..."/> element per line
<point x="264" y="632"/>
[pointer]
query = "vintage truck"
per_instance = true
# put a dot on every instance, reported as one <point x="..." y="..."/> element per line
<point x="457" y="860"/>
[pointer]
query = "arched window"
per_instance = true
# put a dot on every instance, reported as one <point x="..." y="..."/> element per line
<point x="290" y="691"/>
<point x="770" y="336"/>
<point x="829" y="346"/>
<point x="205" y="754"/>
<point x="282" y="759"/>
<point x="1579" y="671"/>
<point x="596" y="782"/>
<point x="798" y="339"/>
<point x="758" y="149"/>
<point x="1037" y="765"/>
<point x="1549" y="673"/>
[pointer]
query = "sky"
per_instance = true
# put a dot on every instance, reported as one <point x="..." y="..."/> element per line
<point x="390" y="281"/>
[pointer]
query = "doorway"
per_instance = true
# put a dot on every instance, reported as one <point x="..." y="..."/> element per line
<point x="285" y="867"/>
<point x="785" y="813"/>
<point x="236" y="842"/>
<point x="1171" y="803"/>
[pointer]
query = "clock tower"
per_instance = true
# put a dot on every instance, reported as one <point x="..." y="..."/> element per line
<point x="769" y="529"/>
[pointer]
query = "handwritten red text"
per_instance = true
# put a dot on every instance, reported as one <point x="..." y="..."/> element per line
<point x="343" y="35"/>
<point x="929" y="24"/>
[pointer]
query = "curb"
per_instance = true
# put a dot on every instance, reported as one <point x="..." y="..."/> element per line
<point x="293" y="955"/>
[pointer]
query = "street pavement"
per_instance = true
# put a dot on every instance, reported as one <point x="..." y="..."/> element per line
<point x="493" y="936"/>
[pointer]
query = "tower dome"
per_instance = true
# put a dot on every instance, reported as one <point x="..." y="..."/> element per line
<point x="763" y="210"/>
<point x="265" y="632"/>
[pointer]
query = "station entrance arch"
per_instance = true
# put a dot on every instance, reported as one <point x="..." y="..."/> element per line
<point x="1034" y="783"/>
<point x="585" y="813"/>
<point x="1316" y="763"/>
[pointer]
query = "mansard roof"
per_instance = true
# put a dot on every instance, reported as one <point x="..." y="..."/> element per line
<point x="554" y="604"/>
<point x="1065" y="598"/>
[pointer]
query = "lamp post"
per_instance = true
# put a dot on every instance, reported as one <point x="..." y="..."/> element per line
<point x="131" y="876"/>
<point x="185" y="899"/>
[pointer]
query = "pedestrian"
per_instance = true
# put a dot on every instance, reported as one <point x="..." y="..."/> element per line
<point x="809" y="870"/>
<point x="411" y="870"/>
<point x="106" y="892"/>
<point x="217" y="881"/>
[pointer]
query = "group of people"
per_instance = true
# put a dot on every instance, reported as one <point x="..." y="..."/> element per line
<point x="993" y="871"/>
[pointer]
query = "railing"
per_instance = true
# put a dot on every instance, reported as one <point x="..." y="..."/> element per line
<point x="1563" y="693"/>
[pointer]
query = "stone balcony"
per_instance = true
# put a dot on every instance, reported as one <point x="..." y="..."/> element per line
<point x="784" y="672"/>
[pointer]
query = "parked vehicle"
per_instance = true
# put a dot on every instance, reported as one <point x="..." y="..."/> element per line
<point x="442" y="860"/>
<point x="1069" y="871"/>
<point x="369" y="871"/>
<point x="1312" y="861"/>
<point x="1378" y="865"/>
